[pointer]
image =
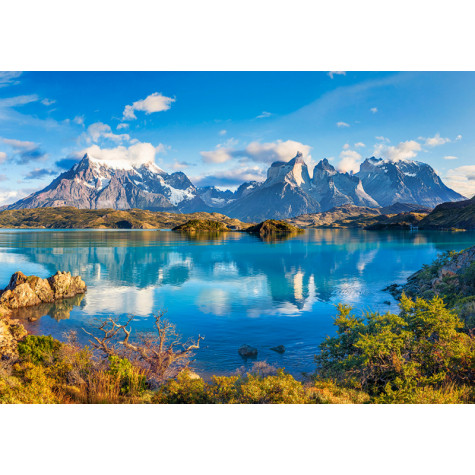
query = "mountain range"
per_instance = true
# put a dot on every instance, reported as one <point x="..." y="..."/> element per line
<point x="288" y="190"/>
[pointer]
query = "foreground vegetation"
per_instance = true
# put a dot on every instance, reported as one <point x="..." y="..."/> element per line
<point x="424" y="354"/>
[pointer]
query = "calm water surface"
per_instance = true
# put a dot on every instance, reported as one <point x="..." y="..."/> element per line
<point x="234" y="290"/>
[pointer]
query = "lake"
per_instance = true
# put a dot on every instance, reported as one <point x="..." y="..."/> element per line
<point x="233" y="289"/>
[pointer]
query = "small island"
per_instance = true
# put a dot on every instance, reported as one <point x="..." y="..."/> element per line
<point x="273" y="227"/>
<point x="201" y="225"/>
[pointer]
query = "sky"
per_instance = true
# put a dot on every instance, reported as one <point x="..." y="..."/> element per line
<point x="224" y="128"/>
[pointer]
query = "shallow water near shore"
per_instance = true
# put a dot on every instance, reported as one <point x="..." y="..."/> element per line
<point x="233" y="288"/>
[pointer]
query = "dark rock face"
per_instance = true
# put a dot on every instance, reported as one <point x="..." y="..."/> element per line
<point x="247" y="351"/>
<point x="279" y="349"/>
<point x="404" y="181"/>
<point x="27" y="291"/>
<point x="332" y="189"/>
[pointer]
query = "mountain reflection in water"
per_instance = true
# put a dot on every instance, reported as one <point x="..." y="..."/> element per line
<point x="233" y="288"/>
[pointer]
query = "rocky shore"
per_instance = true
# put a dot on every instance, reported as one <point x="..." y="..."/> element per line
<point x="452" y="277"/>
<point x="27" y="291"/>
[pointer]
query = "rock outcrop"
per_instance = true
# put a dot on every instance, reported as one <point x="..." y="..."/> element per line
<point x="10" y="332"/>
<point x="247" y="351"/>
<point x="27" y="291"/>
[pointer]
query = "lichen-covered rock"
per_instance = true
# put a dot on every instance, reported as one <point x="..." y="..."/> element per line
<point x="28" y="291"/>
<point x="64" y="285"/>
<point x="10" y="332"/>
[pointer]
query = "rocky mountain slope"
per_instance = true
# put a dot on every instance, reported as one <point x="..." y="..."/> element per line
<point x="460" y="214"/>
<point x="287" y="192"/>
<point x="93" y="184"/>
<point x="404" y="181"/>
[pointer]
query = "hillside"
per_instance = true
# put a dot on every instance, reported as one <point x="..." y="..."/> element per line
<point x="460" y="215"/>
<point x="349" y="216"/>
<point x="73" y="218"/>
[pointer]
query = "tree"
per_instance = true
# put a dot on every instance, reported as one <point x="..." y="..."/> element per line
<point x="162" y="354"/>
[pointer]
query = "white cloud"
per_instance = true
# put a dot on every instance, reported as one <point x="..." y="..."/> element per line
<point x="346" y="146"/>
<point x="404" y="151"/>
<point x="263" y="115"/>
<point x="48" y="102"/>
<point x="462" y="179"/>
<point x="18" y="101"/>
<point x="436" y="140"/>
<point x="374" y="110"/>
<point x="8" y="78"/>
<point x="3" y="157"/>
<point x="382" y="139"/>
<point x="9" y="196"/>
<point x="20" y="144"/>
<point x="124" y="157"/>
<point x="231" y="177"/>
<point x="459" y="137"/>
<point x="259" y="152"/>
<point x="79" y="119"/>
<point x="220" y="155"/>
<point x="450" y="157"/>
<point x="277" y="151"/>
<point x="359" y="145"/>
<point x="122" y="125"/>
<point x="100" y="130"/>
<point x="342" y="124"/>
<point x="336" y="73"/>
<point x="223" y="132"/>
<point x="156" y="102"/>
<point x="350" y="161"/>
<point x="181" y="165"/>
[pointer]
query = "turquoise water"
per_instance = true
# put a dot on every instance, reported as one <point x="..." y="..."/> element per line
<point x="234" y="290"/>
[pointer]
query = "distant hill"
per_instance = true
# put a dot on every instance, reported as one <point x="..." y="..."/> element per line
<point x="73" y="218"/>
<point x="399" y="215"/>
<point x="460" y="214"/>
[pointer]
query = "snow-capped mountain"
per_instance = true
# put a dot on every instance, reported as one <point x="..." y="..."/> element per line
<point x="94" y="184"/>
<point x="331" y="188"/>
<point x="288" y="190"/>
<point x="282" y="195"/>
<point x="214" y="197"/>
<point x="405" y="181"/>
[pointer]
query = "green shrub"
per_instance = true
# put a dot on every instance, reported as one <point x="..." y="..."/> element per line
<point x="396" y="355"/>
<point x="132" y="380"/>
<point x="38" y="349"/>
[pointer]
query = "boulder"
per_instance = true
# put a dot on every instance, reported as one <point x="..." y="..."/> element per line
<point x="64" y="285"/>
<point x="279" y="349"/>
<point x="27" y="291"/>
<point x="247" y="351"/>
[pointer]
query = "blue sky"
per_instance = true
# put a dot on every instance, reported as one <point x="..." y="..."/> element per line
<point x="223" y="128"/>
